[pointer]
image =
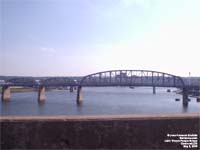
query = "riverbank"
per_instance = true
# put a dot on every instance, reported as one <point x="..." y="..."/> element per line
<point x="99" y="131"/>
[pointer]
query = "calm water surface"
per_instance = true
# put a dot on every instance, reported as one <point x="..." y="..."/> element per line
<point x="109" y="100"/>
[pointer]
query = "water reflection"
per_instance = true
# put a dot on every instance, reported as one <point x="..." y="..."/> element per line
<point x="185" y="108"/>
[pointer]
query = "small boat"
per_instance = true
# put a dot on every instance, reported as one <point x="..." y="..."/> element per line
<point x="168" y="90"/>
<point x="131" y="87"/>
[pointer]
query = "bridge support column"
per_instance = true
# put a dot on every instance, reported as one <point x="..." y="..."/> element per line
<point x="154" y="90"/>
<point x="41" y="94"/>
<point x="71" y="89"/>
<point x="5" y="96"/>
<point x="79" y="98"/>
<point x="185" y="97"/>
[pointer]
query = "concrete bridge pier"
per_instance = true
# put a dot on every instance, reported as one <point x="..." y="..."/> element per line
<point x="41" y="94"/>
<point x="71" y="89"/>
<point x="79" y="99"/>
<point x="185" y="97"/>
<point x="154" y="90"/>
<point x="5" y="96"/>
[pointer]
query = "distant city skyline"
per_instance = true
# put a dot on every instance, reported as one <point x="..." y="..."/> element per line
<point x="80" y="37"/>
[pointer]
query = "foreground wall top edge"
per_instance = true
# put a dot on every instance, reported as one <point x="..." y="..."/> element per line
<point x="99" y="117"/>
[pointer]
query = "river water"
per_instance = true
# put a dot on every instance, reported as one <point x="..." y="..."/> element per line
<point x="101" y="100"/>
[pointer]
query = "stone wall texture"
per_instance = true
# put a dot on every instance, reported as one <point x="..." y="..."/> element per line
<point x="96" y="132"/>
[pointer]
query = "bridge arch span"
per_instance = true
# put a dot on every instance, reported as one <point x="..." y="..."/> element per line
<point x="132" y="78"/>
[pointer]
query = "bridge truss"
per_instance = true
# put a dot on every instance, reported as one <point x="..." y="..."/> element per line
<point x="22" y="81"/>
<point x="132" y="78"/>
<point x="58" y="81"/>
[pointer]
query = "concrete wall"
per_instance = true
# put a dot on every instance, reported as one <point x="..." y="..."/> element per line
<point x="91" y="132"/>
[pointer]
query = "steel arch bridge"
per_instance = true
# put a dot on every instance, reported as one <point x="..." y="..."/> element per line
<point x="58" y="81"/>
<point x="132" y="78"/>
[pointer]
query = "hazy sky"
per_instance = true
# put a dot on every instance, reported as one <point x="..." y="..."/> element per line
<point x="79" y="37"/>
